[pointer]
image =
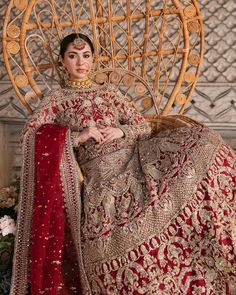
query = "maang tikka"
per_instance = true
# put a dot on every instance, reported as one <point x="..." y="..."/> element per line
<point x="79" y="43"/>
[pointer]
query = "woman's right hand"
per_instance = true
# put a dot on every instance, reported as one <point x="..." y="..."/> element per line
<point x="90" y="132"/>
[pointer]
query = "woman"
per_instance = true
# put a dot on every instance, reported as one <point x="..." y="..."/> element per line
<point x="156" y="214"/>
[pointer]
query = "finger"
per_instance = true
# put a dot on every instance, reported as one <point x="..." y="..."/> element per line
<point x="98" y="136"/>
<point x="109" y="138"/>
<point x="101" y="136"/>
<point x="104" y="130"/>
<point x="102" y="127"/>
<point x="95" y="132"/>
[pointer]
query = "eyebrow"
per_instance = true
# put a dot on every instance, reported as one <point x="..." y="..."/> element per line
<point x="77" y="52"/>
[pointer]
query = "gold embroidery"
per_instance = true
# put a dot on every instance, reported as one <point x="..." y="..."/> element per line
<point x="157" y="213"/>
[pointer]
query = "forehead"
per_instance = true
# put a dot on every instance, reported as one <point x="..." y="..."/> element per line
<point x="71" y="47"/>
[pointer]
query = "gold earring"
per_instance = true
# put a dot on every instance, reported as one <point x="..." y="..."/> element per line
<point x="65" y="74"/>
<point x="91" y="72"/>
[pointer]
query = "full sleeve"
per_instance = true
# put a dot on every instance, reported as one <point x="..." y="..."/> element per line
<point x="45" y="113"/>
<point x="132" y="123"/>
<point x="48" y="112"/>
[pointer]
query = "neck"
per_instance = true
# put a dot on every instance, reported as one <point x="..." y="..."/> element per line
<point x="80" y="83"/>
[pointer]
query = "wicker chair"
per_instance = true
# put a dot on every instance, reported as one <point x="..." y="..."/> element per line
<point x="150" y="50"/>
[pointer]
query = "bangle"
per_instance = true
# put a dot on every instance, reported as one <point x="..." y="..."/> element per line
<point x="75" y="139"/>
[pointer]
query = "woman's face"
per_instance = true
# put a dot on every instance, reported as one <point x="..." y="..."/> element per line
<point x="78" y="62"/>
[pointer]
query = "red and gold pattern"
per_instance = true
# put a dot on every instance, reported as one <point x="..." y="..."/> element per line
<point x="158" y="211"/>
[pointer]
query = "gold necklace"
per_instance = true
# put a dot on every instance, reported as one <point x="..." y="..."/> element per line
<point x="83" y="83"/>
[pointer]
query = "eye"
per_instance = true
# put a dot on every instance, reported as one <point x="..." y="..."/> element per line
<point x="72" y="55"/>
<point x="86" y="55"/>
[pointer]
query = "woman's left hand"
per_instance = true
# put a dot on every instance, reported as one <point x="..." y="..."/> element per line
<point x="110" y="133"/>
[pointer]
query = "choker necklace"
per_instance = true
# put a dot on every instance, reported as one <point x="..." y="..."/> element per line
<point x="83" y="83"/>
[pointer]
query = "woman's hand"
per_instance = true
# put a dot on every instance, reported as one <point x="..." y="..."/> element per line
<point x="91" y="132"/>
<point x="110" y="133"/>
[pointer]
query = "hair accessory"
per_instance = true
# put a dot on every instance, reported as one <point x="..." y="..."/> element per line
<point x="79" y="43"/>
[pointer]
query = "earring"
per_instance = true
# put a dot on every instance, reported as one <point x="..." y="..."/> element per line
<point x="65" y="74"/>
<point x="91" y="73"/>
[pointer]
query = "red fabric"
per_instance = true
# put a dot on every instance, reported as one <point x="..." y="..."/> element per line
<point x="48" y="218"/>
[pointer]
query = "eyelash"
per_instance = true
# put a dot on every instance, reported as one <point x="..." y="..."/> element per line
<point x="74" y="56"/>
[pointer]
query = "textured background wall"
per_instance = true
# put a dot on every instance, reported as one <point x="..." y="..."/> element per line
<point x="213" y="102"/>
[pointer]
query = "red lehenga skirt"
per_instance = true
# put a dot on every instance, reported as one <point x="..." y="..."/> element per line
<point x="154" y="217"/>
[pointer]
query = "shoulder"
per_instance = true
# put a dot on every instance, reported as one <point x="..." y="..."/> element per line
<point x="115" y="94"/>
<point x="107" y="91"/>
<point x="106" y="88"/>
<point x="51" y="97"/>
<point x="113" y="90"/>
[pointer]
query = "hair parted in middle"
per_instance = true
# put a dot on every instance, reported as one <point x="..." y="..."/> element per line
<point x="70" y="39"/>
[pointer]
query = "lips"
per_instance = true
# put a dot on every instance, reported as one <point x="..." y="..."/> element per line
<point x="81" y="70"/>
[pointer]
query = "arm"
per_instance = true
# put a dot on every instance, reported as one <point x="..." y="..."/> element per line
<point x="48" y="112"/>
<point x="45" y="113"/>
<point x="132" y="123"/>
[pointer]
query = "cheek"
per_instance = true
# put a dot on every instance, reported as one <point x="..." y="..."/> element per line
<point x="69" y="64"/>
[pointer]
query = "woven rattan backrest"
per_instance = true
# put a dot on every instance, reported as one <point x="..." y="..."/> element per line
<point x="159" y="44"/>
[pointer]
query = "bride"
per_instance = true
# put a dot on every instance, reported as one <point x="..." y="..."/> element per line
<point x="154" y="214"/>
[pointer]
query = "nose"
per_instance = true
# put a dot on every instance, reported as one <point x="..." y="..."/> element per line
<point x="79" y="61"/>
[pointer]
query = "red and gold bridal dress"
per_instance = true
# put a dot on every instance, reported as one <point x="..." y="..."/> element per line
<point x="156" y="213"/>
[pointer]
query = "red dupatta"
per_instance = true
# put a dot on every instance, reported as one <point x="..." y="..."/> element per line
<point x="48" y="254"/>
<point x="48" y="218"/>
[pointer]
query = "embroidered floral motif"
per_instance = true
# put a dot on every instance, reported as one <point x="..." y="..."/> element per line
<point x="157" y="213"/>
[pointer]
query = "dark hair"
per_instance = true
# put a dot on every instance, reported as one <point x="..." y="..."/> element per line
<point x="70" y="38"/>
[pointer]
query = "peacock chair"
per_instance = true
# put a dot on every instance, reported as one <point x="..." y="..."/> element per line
<point x="150" y="50"/>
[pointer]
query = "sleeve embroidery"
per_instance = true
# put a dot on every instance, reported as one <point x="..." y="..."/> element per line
<point x="132" y="123"/>
<point x="45" y="113"/>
